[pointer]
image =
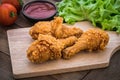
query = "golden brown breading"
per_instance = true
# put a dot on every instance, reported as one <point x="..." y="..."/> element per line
<point x="43" y="27"/>
<point x="73" y="31"/>
<point x="59" y="30"/>
<point x="93" y="39"/>
<point x="38" y="53"/>
<point x="48" y="47"/>
<point x="54" y="28"/>
<point x="57" y="27"/>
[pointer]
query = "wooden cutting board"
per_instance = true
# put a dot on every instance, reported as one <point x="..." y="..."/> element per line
<point x="19" y="40"/>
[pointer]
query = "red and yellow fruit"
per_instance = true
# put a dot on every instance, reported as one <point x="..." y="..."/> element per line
<point x="8" y="14"/>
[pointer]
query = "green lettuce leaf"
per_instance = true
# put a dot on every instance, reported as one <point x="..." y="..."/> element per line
<point x="102" y="13"/>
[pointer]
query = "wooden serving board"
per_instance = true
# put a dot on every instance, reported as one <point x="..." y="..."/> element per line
<point x="19" y="40"/>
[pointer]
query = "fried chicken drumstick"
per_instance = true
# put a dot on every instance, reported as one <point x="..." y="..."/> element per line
<point x="93" y="39"/>
<point x="54" y="28"/>
<point x="48" y="47"/>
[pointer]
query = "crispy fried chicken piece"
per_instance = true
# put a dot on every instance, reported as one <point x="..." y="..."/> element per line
<point x="93" y="39"/>
<point x="43" y="27"/>
<point x="47" y="48"/>
<point x="59" y="30"/>
<point x="54" y="28"/>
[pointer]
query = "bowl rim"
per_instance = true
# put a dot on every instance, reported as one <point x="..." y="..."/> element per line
<point x="37" y="19"/>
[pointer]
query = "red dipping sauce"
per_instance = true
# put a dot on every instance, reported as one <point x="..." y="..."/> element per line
<point x="40" y="10"/>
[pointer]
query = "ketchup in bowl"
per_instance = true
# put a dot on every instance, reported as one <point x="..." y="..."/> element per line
<point x="39" y="10"/>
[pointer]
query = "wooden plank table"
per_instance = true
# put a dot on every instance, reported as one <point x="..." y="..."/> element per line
<point x="110" y="73"/>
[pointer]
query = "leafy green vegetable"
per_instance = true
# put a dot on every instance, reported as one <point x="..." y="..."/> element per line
<point x="103" y="13"/>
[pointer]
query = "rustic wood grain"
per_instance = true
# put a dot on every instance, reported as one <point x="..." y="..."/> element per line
<point x="23" y="22"/>
<point x="110" y="73"/>
<point x="65" y="76"/>
<point x="19" y="40"/>
<point x="3" y="41"/>
<point x="78" y="75"/>
<point x="5" y="67"/>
